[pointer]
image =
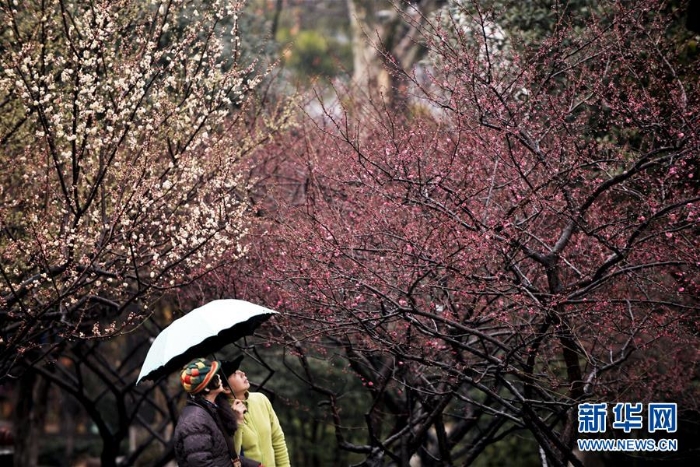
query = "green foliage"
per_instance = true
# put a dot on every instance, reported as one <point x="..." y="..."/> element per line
<point x="530" y="21"/>
<point x="314" y="35"/>
<point x="314" y="55"/>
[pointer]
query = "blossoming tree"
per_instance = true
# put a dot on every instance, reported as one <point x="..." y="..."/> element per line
<point x="123" y="127"/>
<point x="522" y="239"/>
<point x="120" y="154"/>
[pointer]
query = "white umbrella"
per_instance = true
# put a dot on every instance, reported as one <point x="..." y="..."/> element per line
<point x="200" y="332"/>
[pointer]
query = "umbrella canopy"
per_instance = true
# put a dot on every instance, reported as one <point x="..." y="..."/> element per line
<point x="200" y="332"/>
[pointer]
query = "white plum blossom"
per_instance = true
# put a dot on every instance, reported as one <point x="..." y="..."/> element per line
<point x="122" y="175"/>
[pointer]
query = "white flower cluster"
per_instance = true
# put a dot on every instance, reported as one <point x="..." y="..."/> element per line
<point x="127" y="159"/>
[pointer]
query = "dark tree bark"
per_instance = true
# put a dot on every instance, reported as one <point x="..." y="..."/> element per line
<point x="29" y="417"/>
<point x="693" y="18"/>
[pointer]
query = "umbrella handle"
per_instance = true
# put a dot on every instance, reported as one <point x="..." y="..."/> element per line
<point x="213" y="356"/>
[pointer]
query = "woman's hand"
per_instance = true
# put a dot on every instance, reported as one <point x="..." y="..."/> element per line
<point x="239" y="409"/>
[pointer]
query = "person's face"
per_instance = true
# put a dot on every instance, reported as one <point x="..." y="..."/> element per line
<point x="216" y="386"/>
<point x="238" y="382"/>
<point x="217" y="381"/>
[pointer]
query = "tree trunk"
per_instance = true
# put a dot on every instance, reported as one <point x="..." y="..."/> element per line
<point x="368" y="34"/>
<point x="110" y="451"/>
<point x="29" y="418"/>
<point x="70" y="411"/>
<point x="693" y="16"/>
<point x="386" y="40"/>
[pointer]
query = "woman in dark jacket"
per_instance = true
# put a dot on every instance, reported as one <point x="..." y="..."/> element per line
<point x="204" y="431"/>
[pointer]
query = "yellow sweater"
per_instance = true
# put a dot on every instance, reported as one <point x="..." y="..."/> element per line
<point x="260" y="435"/>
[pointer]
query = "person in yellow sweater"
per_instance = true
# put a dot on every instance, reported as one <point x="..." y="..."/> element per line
<point x="260" y="436"/>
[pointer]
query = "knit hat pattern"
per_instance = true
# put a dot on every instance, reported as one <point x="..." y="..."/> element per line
<point x="197" y="374"/>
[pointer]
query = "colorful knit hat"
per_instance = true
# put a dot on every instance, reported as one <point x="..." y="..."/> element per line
<point x="197" y="374"/>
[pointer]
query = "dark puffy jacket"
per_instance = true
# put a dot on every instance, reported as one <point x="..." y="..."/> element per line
<point x="198" y="440"/>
